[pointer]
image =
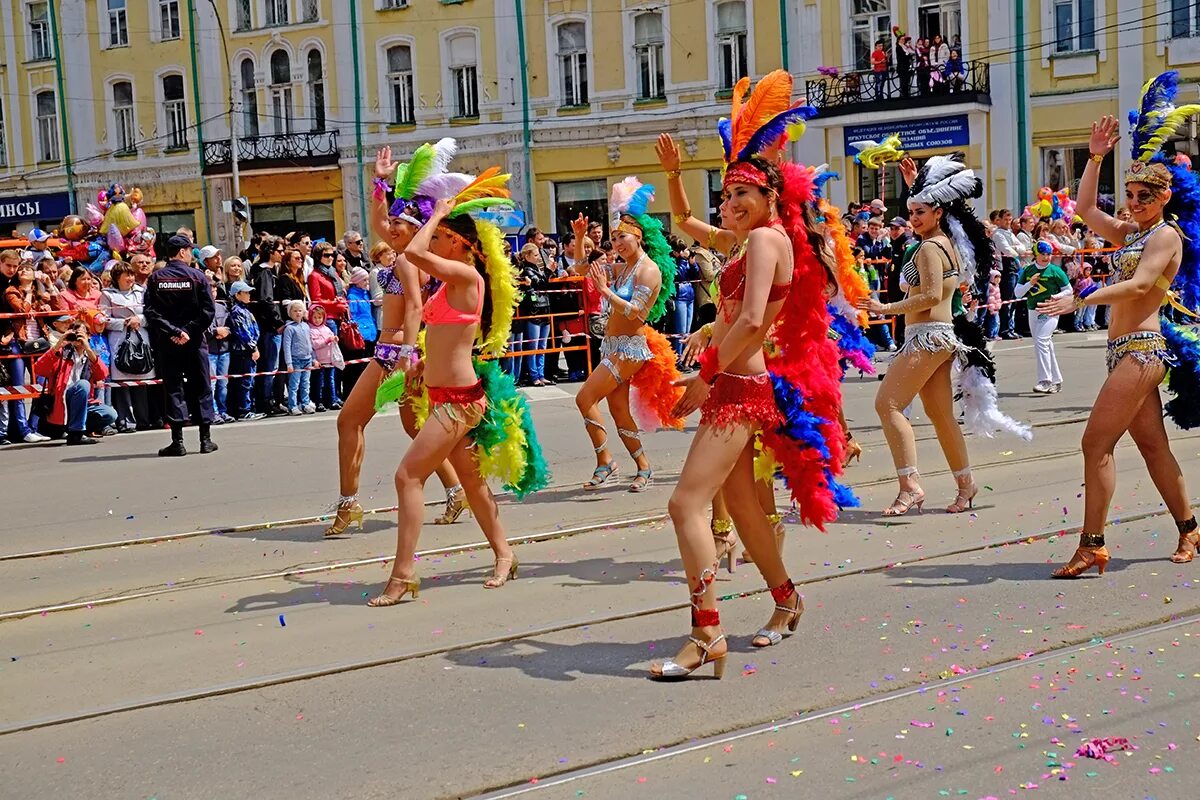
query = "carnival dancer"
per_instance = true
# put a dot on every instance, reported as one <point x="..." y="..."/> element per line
<point x="633" y="355"/>
<point x="468" y="400"/>
<point x="952" y="242"/>
<point x="774" y="277"/>
<point x="396" y="222"/>
<point x="1142" y="344"/>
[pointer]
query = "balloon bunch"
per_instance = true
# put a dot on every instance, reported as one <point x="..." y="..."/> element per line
<point x="1053" y="205"/>
<point x="111" y="229"/>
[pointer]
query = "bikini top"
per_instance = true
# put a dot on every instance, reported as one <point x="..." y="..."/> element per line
<point x="1125" y="260"/>
<point x="912" y="275"/>
<point x="389" y="281"/>
<point x="732" y="280"/>
<point x="438" y="311"/>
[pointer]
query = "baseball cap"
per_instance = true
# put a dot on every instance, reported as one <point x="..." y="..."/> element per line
<point x="877" y="203"/>
<point x="239" y="286"/>
<point x="208" y="251"/>
<point x="899" y="222"/>
<point x="38" y="235"/>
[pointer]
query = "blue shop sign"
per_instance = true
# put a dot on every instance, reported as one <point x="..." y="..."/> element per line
<point x="34" y="207"/>
<point x="915" y="134"/>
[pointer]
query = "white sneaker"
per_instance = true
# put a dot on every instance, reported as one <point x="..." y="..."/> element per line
<point x="1055" y="388"/>
<point x="311" y="408"/>
<point x="1042" y="388"/>
<point x="295" y="411"/>
<point x="33" y="438"/>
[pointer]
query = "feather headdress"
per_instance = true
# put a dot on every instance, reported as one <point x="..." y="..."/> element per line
<point x="1157" y="118"/>
<point x="488" y="190"/>
<point x="945" y="179"/>
<point x="873" y="155"/>
<point x="426" y="161"/>
<point x="759" y="121"/>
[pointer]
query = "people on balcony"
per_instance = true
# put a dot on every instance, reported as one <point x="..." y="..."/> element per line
<point x="906" y="57"/>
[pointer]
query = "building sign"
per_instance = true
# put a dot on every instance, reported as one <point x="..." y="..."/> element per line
<point x="915" y="134"/>
<point x="34" y="207"/>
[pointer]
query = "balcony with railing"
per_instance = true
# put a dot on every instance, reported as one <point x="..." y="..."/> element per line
<point x="280" y="151"/>
<point x="858" y="92"/>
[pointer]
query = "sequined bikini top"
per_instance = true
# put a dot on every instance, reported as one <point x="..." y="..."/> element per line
<point x="732" y="280"/>
<point x="1125" y="260"/>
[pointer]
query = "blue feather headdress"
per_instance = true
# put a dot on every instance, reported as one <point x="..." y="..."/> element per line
<point x="761" y="121"/>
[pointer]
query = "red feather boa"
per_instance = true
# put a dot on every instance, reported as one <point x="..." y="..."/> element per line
<point x="804" y="355"/>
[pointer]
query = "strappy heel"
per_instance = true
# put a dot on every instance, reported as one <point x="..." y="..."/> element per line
<point x="965" y="499"/>
<point x="348" y="512"/>
<point x="601" y="475"/>
<point x="456" y="504"/>
<point x="502" y="576"/>
<point x="412" y="587"/>
<point x="780" y="533"/>
<point x="671" y="670"/>
<point x="906" y="501"/>
<point x="725" y="542"/>
<point x="641" y="480"/>
<point x="781" y="594"/>
<point x="853" y="451"/>
<point x="643" y="477"/>
<point x="1189" y="542"/>
<point x="1090" y="553"/>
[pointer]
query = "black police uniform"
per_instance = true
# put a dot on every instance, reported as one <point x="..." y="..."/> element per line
<point x="179" y="299"/>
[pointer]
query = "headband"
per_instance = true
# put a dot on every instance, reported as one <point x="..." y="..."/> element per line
<point x="742" y="172"/>
<point x="473" y="249"/>
<point x="625" y="227"/>
<point x="1154" y="175"/>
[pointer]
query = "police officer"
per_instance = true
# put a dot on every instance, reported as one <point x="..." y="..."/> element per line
<point x="179" y="310"/>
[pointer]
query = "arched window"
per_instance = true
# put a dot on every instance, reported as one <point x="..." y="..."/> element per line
<point x="47" y="126"/>
<point x="249" y="98"/>
<point x="122" y="108"/>
<point x="400" y="78"/>
<point x="731" y="42"/>
<point x="281" y="92"/>
<point x="572" y="63"/>
<point x="464" y="75"/>
<point x="316" y="89"/>
<point x="648" y="44"/>
<point x="175" y="107"/>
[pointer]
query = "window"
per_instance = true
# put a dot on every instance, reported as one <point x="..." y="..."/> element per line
<point x="1063" y="167"/>
<point x="1185" y="19"/>
<point x="168" y="19"/>
<point x="312" y="10"/>
<point x="464" y="75"/>
<point x="243" y="21"/>
<point x="122" y="108"/>
<point x="277" y="12"/>
<point x="47" y="126"/>
<point x="386" y="5"/>
<point x="648" y="47"/>
<point x="400" y="77"/>
<point x="175" y="108"/>
<point x="731" y="43"/>
<point x="940" y="18"/>
<point x="118" y="24"/>
<point x="573" y="198"/>
<point x="316" y="89"/>
<point x="39" y="32"/>
<point x="572" y="63"/>
<point x="3" y="140"/>
<point x="871" y="20"/>
<point x="281" y="92"/>
<point x="249" y="99"/>
<point x="1074" y="25"/>
<point x="716" y="185"/>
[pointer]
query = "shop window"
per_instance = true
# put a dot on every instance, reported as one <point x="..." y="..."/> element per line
<point x="886" y="187"/>
<point x="573" y="198"/>
<point x="572" y="63"/>
<point x="281" y="93"/>
<point x="731" y="43"/>
<point x="464" y="76"/>
<point x="175" y="108"/>
<point x="400" y="78"/>
<point x="118" y="24"/>
<point x="47" y="126"/>
<point x="1074" y="25"/>
<point x="249" y="98"/>
<point x="715" y="185"/>
<point x="1063" y="167"/>
<point x="870" y="21"/>
<point x="648" y="46"/>
<point x="168" y="20"/>
<point x="122" y="108"/>
<point x="316" y="89"/>
<point x="166" y="223"/>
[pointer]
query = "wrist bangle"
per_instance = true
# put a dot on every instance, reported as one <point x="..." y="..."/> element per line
<point x="673" y="173"/>
<point x="682" y="217"/>
<point x="1097" y="157"/>
<point x="708" y="365"/>
<point x="707" y="329"/>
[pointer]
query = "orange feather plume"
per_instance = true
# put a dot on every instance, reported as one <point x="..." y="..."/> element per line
<point x="489" y="183"/>
<point x="771" y="96"/>
<point x="851" y="282"/>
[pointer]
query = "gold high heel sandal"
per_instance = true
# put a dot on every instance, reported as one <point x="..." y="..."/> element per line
<point x="780" y="533"/>
<point x="853" y="452"/>
<point x="965" y="499"/>
<point x="456" y="504"/>
<point x="348" y="513"/>
<point x="725" y="542"/>
<point x="1090" y="553"/>
<point x="1189" y="542"/>
<point x="412" y="587"/>
<point x="502" y="576"/>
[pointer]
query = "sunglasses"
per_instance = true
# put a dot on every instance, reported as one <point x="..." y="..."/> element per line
<point x="326" y="255"/>
<point x="355" y="241"/>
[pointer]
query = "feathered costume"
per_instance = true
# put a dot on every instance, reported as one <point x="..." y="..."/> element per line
<point x="946" y="182"/>
<point x="653" y="394"/>
<point x="505" y="441"/>
<point x="1151" y="124"/>
<point x="802" y="361"/>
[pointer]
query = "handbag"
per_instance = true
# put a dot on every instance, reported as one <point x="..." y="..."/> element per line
<point x="35" y="346"/>
<point x="349" y="336"/>
<point x="134" y="356"/>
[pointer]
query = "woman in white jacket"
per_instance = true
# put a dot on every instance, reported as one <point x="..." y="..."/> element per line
<point x="122" y="305"/>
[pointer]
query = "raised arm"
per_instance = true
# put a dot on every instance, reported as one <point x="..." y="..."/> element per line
<point x="1105" y="135"/>
<point x="681" y="211"/>
<point x="579" y="227"/>
<point x="384" y="168"/>
<point x="420" y="256"/>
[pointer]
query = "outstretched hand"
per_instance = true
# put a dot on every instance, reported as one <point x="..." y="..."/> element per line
<point x="385" y="168"/>
<point x="695" y="392"/>
<point x="1106" y="132"/>
<point x="668" y="153"/>
<point x="579" y="226"/>
<point x="908" y="171"/>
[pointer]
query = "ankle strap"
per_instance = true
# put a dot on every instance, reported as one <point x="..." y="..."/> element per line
<point x="1187" y="526"/>
<point x="783" y="592"/>
<point x="346" y="500"/>
<point x="962" y="473"/>
<point x="1091" y="540"/>
<point x="904" y="472"/>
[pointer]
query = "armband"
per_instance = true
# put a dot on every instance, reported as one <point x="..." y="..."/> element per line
<point x="382" y="190"/>
<point x="708" y="365"/>
<point x="682" y="218"/>
<point x="673" y="173"/>
<point x="641" y="299"/>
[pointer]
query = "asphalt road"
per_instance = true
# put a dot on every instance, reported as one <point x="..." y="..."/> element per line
<point x="230" y="653"/>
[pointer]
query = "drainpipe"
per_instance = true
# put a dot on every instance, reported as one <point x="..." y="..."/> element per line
<point x="783" y="34"/>
<point x="68" y="164"/>
<point x="358" y="131"/>
<point x="526" y="132"/>
<point x="1022" y="119"/>
<point x="191" y="8"/>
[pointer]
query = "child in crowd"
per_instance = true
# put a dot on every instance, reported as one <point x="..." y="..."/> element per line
<point x="1085" y="317"/>
<point x="243" y="351"/>
<point x="297" y="350"/>
<point x="992" y="320"/>
<point x="218" y="357"/>
<point x="879" y="333"/>
<point x="325" y="355"/>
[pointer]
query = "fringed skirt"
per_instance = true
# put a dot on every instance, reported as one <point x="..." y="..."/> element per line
<point x="630" y="348"/>
<point x="737" y="399"/>
<point x="932" y="337"/>
<point x="463" y="405"/>
<point x="1148" y="347"/>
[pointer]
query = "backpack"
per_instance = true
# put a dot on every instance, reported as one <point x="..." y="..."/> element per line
<point x="133" y="355"/>
<point x="244" y="329"/>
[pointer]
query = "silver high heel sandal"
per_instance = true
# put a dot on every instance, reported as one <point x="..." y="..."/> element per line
<point x="671" y="670"/>
<point x="906" y="501"/>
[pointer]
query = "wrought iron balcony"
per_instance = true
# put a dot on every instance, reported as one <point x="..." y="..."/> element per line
<point x="856" y="92"/>
<point x="314" y="149"/>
